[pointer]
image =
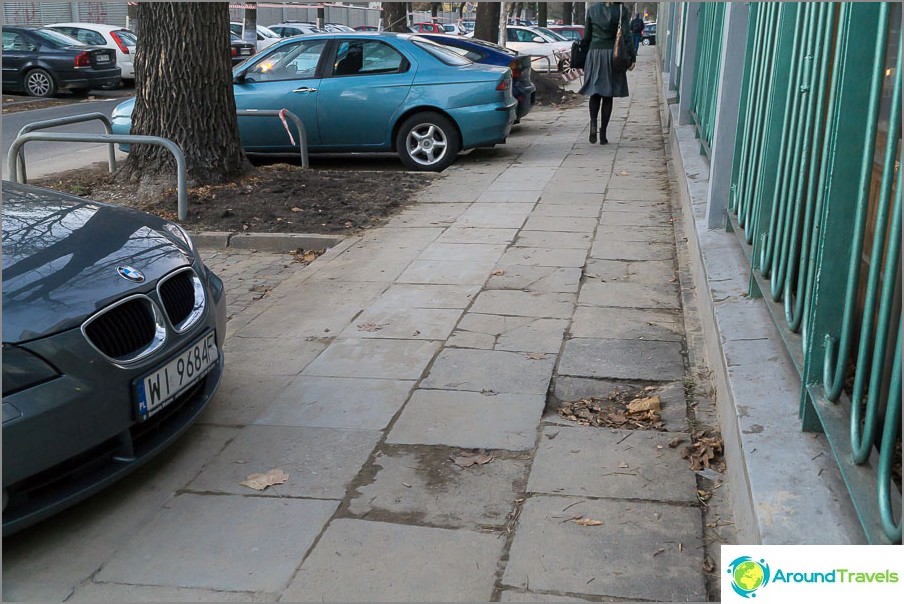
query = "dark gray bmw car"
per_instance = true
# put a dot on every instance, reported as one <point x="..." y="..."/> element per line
<point x="112" y="345"/>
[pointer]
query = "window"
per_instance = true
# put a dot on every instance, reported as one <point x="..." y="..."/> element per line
<point x="555" y="36"/>
<point x="56" y="38"/>
<point x="362" y="57"/>
<point x="292" y="62"/>
<point x="15" y="42"/>
<point x="128" y="38"/>
<point x="521" y="35"/>
<point x="88" y="37"/>
<point x="441" y="52"/>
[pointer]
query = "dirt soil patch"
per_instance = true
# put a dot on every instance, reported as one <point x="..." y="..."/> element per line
<point x="278" y="198"/>
<point x="552" y="91"/>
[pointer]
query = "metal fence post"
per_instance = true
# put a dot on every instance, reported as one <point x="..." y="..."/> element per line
<point x="688" y="61"/>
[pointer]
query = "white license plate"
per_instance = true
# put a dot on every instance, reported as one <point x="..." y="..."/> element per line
<point x="158" y="389"/>
<point x="246" y="51"/>
<point x="102" y="59"/>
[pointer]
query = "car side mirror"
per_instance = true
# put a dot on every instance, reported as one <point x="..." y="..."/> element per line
<point x="539" y="40"/>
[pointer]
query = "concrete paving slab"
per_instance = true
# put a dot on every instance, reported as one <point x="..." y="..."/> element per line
<point x="635" y="194"/>
<point x="618" y="205"/>
<point x="406" y="295"/>
<point x="274" y="357"/>
<point x="551" y="240"/>
<point x="585" y="210"/>
<point x="517" y="334"/>
<point x="200" y="540"/>
<point x="641" y="218"/>
<point x="404" y="323"/>
<point x="618" y="559"/>
<point x="385" y="359"/>
<point x="535" y="278"/>
<point x="649" y="271"/>
<point x="566" y="224"/>
<point x="612" y="249"/>
<point x="428" y="215"/>
<point x="463" y="252"/>
<point x="647" y="234"/>
<point x="533" y="256"/>
<point x="553" y="197"/>
<point x="115" y="592"/>
<point x="447" y="272"/>
<point x="354" y="403"/>
<point x="241" y="397"/>
<point x="630" y="295"/>
<point x="508" y="196"/>
<point x="361" y="561"/>
<point x="627" y="324"/>
<point x="498" y="371"/>
<point x="585" y="185"/>
<point x="441" y="493"/>
<point x="320" y="462"/>
<point x="510" y="595"/>
<point x="471" y="420"/>
<point x="524" y="304"/>
<point x="458" y="234"/>
<point x="620" y="464"/>
<point x="622" y="359"/>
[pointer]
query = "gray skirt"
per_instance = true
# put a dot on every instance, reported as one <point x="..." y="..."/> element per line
<point x="599" y="78"/>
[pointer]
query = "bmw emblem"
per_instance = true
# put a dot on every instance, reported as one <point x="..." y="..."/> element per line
<point x="130" y="273"/>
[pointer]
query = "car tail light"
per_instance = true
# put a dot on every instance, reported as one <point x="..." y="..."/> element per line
<point x="120" y="43"/>
<point x="235" y="51"/>
<point x="504" y="84"/>
<point x="83" y="59"/>
<point x="516" y="69"/>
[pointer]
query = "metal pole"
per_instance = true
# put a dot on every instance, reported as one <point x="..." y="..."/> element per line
<point x="63" y="121"/>
<point x="302" y="133"/>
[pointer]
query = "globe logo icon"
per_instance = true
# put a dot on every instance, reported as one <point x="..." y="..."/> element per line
<point x="748" y="575"/>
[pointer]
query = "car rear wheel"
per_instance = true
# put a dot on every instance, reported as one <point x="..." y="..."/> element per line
<point x="39" y="82"/>
<point x="428" y="141"/>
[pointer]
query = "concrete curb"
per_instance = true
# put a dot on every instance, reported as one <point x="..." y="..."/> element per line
<point x="266" y="242"/>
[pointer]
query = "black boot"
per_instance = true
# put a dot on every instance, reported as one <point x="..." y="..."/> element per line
<point x="592" y="131"/>
<point x="603" y="139"/>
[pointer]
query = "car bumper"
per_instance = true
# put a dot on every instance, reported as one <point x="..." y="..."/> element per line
<point x="526" y="95"/>
<point x="70" y="437"/>
<point x="92" y="81"/>
<point x="482" y="125"/>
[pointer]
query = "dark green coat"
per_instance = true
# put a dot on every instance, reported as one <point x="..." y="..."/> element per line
<point x="602" y="26"/>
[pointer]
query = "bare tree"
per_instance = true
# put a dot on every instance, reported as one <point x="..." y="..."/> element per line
<point x="486" y="26"/>
<point x="567" y="9"/>
<point x="542" y="16"/>
<point x="434" y="10"/>
<point x="183" y="86"/>
<point x="395" y="16"/>
<point x="580" y="13"/>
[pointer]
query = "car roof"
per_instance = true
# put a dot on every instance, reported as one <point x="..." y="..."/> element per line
<point x="95" y="26"/>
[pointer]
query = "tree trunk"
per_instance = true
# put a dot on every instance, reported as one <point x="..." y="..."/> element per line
<point x="580" y="13"/>
<point x="434" y="10"/>
<point x="395" y="16"/>
<point x="542" y="16"/>
<point x="567" y="8"/>
<point x="486" y="26"/>
<point x="183" y="92"/>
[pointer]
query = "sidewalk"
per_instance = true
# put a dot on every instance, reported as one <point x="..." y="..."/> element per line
<point x="545" y="275"/>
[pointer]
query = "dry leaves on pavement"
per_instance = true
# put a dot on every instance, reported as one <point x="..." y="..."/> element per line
<point x="466" y="460"/>
<point x="641" y="413"/>
<point x="704" y="451"/>
<point x="536" y="356"/>
<point x="259" y="482"/>
<point x="498" y="272"/>
<point x="583" y="521"/>
<point x="306" y="256"/>
<point x="369" y="327"/>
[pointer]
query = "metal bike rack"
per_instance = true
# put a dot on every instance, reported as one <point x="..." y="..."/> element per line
<point x="64" y="121"/>
<point x="131" y="139"/>
<point x="280" y="113"/>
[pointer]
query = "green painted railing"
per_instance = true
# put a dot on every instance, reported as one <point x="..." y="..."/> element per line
<point x="816" y="203"/>
<point x="706" y="70"/>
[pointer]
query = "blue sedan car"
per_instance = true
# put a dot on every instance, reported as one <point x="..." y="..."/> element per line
<point x="367" y="92"/>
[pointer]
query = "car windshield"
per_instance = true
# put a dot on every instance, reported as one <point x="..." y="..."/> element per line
<point x="57" y="38"/>
<point x="441" y="52"/>
<point x="266" y="32"/>
<point x="552" y="34"/>
<point x="491" y="46"/>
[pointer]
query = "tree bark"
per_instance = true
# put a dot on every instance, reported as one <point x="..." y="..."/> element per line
<point x="580" y="13"/>
<point x="567" y="8"/>
<point x="395" y="16"/>
<point x="434" y="10"/>
<point x="183" y="92"/>
<point x="486" y="26"/>
<point x="542" y="16"/>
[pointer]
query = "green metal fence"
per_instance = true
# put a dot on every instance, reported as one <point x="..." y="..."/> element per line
<point x="816" y="203"/>
<point x="706" y="70"/>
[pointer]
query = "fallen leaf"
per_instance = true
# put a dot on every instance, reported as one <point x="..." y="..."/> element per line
<point x="708" y="564"/>
<point x="416" y="333"/>
<point x="624" y="173"/>
<point x="259" y="482"/>
<point x="488" y="392"/>
<point x="587" y="522"/>
<point x="675" y="442"/>
<point x="623" y="465"/>
<point x="369" y="327"/>
<point x="471" y="459"/>
<point x="651" y="403"/>
<point x="536" y="356"/>
<point x="297" y="209"/>
<point x="659" y="551"/>
<point x="498" y="272"/>
<point x="405" y="484"/>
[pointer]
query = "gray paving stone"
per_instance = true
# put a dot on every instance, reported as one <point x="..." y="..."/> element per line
<point x="536" y="278"/>
<point x="646" y="271"/>
<point x="496" y="215"/>
<point x="427" y="215"/>
<point x="611" y="249"/>
<point x="636" y="194"/>
<point x="471" y="420"/>
<point x="622" y="464"/>
<point x="617" y="559"/>
<point x="361" y="561"/>
<point x="320" y="462"/>
<point x="638" y="218"/>
<point x="532" y="256"/>
<point x="585" y="210"/>
<point x="115" y="592"/>
<point x="447" y="272"/>
<point x="385" y="359"/>
<point x="648" y="234"/>
<point x="441" y="493"/>
<point x="501" y="372"/>
<point x="274" y="357"/>
<point x="524" y="304"/>
<point x="200" y="540"/>
<point x="551" y="240"/>
<point x="566" y="224"/>
<point x="527" y="596"/>
<point x="355" y="403"/>
<point x="570" y="198"/>
<point x="459" y="234"/>
<point x="463" y="252"/>
<point x="618" y="205"/>
<point x="585" y="185"/>
<point x="627" y="324"/>
<point x="241" y="397"/>
<point x="404" y="323"/>
<point x="622" y="359"/>
<point x="508" y="196"/>
<point x="517" y="334"/>
<point x="630" y="295"/>
<point x="434" y="295"/>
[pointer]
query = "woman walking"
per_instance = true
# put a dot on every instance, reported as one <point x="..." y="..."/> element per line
<point x="601" y="81"/>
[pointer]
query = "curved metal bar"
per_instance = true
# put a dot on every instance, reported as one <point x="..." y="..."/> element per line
<point x="65" y="121"/>
<point x="302" y="133"/>
<point x="886" y="451"/>
<point x="132" y="139"/>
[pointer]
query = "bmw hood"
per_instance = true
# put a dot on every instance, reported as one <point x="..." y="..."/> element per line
<point x="65" y="258"/>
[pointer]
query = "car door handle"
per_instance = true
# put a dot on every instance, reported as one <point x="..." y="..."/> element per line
<point x="305" y="89"/>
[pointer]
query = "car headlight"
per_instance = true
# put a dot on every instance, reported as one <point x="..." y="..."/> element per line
<point x="182" y="235"/>
<point x="23" y="369"/>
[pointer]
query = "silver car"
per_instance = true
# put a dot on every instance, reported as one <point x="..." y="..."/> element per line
<point x="112" y="345"/>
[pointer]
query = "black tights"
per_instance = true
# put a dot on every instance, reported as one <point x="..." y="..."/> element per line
<point x="606" y="101"/>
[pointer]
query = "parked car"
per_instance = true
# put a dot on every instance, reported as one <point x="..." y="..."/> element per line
<point x="265" y="37"/>
<point x="648" y="37"/>
<point x="550" y="50"/>
<point x="291" y="28"/>
<point x="240" y="50"/>
<point x="40" y="61"/>
<point x="427" y="28"/>
<point x="569" y="32"/>
<point x="113" y="335"/>
<point x="119" y="39"/>
<point x="479" y="51"/>
<point x="370" y="92"/>
<point x="468" y="26"/>
<point x="367" y="28"/>
<point x="338" y="28"/>
<point x="453" y="30"/>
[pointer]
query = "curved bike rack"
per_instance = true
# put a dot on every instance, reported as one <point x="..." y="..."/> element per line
<point x="282" y="114"/>
<point x="64" y="121"/>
